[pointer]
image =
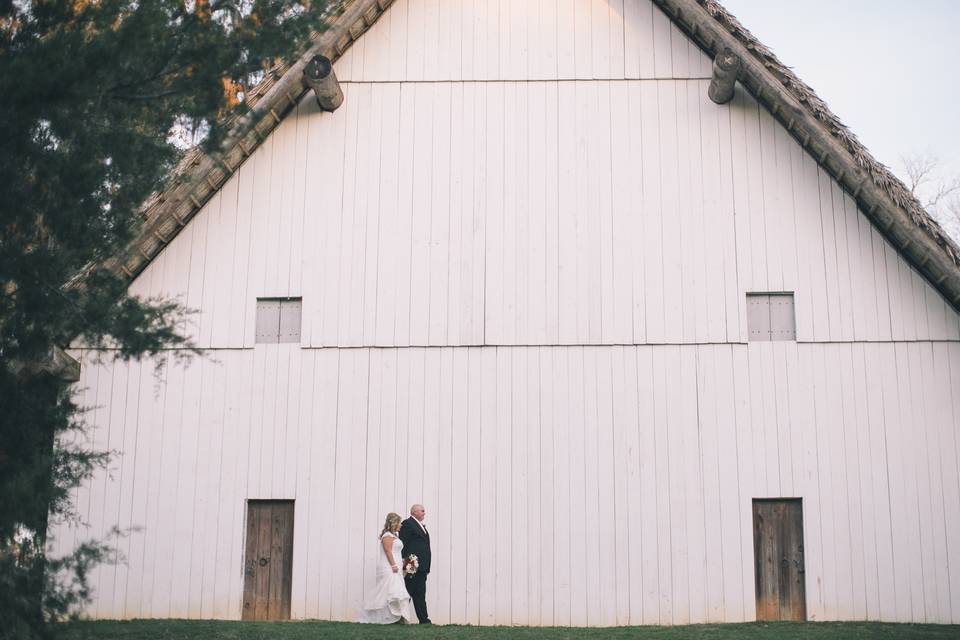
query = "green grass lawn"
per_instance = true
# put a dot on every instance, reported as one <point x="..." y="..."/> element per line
<point x="313" y="630"/>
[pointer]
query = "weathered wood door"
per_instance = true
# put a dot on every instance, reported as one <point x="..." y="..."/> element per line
<point x="778" y="559"/>
<point x="268" y="560"/>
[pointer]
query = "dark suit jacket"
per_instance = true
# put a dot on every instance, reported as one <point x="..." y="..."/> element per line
<point x="416" y="542"/>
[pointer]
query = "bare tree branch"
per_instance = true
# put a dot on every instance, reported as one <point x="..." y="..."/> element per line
<point x="939" y="195"/>
<point x="919" y="169"/>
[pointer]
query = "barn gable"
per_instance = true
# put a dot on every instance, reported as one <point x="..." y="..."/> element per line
<point x="636" y="201"/>
<point x="880" y="194"/>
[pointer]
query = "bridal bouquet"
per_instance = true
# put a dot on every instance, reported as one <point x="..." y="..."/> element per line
<point x="410" y="565"/>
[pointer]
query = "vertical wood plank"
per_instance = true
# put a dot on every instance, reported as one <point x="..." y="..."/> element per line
<point x="486" y="580"/>
<point x="250" y="564"/>
<point x="476" y="389"/>
<point x="389" y="239"/>
<point x="399" y="39"/>
<point x="650" y="405"/>
<point x="911" y="515"/>
<point x="501" y="579"/>
<point x="897" y="485"/>
<point x="520" y="483"/>
<point x="557" y="361"/>
<point x="679" y="52"/>
<point x="587" y="224"/>
<point x="460" y="468"/>
<point x="439" y="278"/>
<point x="514" y="222"/>
<point x="601" y="38"/>
<point x="566" y="218"/>
<point x="582" y="40"/>
<point x="277" y="529"/>
<point x="601" y="185"/>
<point x="662" y="49"/>
<point x="565" y="35"/>
<point x="702" y="467"/>
<point x="547" y="518"/>
<point x="353" y="234"/>
<point x="409" y="133"/>
<point x="494" y="273"/>
<point x="925" y="466"/>
<point x="460" y="229"/>
<point x="847" y="300"/>
<point x="262" y="535"/>
<point x="372" y="171"/>
<point x="444" y="487"/>
<point x="671" y="240"/>
<point x="610" y="559"/>
<point x="623" y="201"/>
<point x="536" y="250"/>
<point x="616" y="40"/>
<point x="626" y="399"/>
<point x="652" y="214"/>
<point x="662" y="359"/>
<point x="946" y="370"/>
<point x="711" y="231"/>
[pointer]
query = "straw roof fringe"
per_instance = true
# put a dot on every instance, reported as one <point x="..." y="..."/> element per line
<point x="880" y="194"/>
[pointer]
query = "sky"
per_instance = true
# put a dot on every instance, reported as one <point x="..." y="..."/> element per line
<point x="888" y="69"/>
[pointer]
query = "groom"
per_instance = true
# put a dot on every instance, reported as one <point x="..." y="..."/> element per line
<point x="416" y="541"/>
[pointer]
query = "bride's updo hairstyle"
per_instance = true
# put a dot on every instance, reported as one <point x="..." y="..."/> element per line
<point x="392" y="520"/>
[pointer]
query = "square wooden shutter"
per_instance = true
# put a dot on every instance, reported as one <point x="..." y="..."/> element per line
<point x="758" y="316"/>
<point x="783" y="324"/>
<point x="268" y="320"/>
<point x="770" y="316"/>
<point x="290" y="314"/>
<point x="278" y="320"/>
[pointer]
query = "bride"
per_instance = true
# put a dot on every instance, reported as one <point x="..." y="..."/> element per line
<point x="388" y="601"/>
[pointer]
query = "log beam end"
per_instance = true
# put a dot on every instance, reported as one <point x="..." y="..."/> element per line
<point x="319" y="76"/>
<point x="726" y="68"/>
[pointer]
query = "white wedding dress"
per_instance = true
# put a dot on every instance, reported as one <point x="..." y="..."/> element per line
<point x="388" y="601"/>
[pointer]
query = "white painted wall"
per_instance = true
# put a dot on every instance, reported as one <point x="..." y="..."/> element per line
<point x="587" y="212"/>
<point x="564" y="485"/>
<point x="457" y="40"/>
<point x="548" y="175"/>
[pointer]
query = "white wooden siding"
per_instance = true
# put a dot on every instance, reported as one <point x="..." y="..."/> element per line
<point x="531" y="235"/>
<point x="455" y="40"/>
<point x="585" y="212"/>
<point x="636" y="464"/>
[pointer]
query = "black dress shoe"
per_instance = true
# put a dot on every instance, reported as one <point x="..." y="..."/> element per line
<point x="427" y="621"/>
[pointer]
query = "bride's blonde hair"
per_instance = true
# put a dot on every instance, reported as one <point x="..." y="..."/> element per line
<point x="388" y="524"/>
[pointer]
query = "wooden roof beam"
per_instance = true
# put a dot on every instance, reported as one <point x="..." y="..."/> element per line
<point x="55" y="362"/>
<point x="726" y="69"/>
<point x="318" y="74"/>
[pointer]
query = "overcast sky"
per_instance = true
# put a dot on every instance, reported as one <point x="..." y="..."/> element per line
<point x="887" y="68"/>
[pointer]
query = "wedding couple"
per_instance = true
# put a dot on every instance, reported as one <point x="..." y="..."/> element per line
<point x="403" y="563"/>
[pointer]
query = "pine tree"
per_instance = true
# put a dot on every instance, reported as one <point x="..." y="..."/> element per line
<point x="94" y="93"/>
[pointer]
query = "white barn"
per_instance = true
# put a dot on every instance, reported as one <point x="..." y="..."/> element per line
<point x="646" y="358"/>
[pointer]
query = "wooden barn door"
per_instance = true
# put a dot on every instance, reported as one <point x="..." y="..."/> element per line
<point x="268" y="561"/>
<point x="778" y="558"/>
